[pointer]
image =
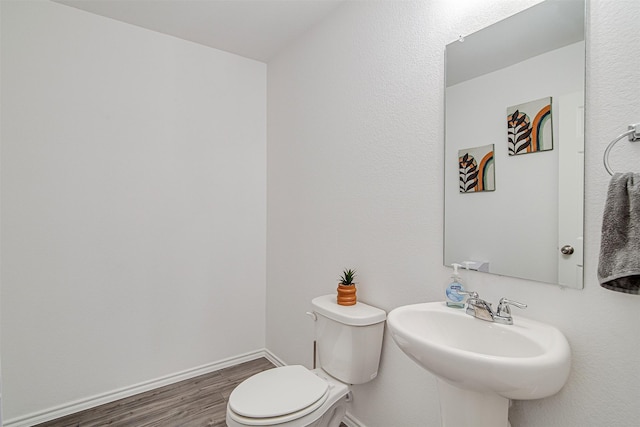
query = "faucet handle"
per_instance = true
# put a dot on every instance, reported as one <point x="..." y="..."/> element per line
<point x="503" y="313"/>
<point x="503" y="307"/>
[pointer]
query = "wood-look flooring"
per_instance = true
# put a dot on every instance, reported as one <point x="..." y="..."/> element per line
<point x="198" y="402"/>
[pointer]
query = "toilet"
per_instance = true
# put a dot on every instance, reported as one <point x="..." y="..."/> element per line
<point x="349" y="343"/>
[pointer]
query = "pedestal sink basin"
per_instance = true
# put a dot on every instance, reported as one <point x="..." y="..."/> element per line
<point x="480" y="365"/>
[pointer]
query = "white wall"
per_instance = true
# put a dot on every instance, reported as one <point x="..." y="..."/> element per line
<point x="133" y="205"/>
<point x="1" y="415"/>
<point x="115" y="271"/>
<point x="526" y="193"/>
<point x="355" y="180"/>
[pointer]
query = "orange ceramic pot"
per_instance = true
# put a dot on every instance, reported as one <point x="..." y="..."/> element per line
<point x="346" y="295"/>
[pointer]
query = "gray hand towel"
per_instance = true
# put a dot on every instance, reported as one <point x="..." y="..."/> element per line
<point x="619" y="264"/>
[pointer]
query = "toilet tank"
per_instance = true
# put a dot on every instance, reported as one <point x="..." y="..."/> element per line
<point x="348" y="338"/>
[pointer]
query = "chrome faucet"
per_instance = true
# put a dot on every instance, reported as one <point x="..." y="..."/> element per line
<point x="503" y="314"/>
<point x="478" y="307"/>
<point x="482" y="309"/>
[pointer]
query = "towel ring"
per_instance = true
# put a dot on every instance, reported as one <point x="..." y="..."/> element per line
<point x="634" y="135"/>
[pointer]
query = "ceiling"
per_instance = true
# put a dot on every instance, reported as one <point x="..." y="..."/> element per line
<point x="256" y="29"/>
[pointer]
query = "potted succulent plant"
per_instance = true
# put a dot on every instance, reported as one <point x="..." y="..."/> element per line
<point x="347" y="288"/>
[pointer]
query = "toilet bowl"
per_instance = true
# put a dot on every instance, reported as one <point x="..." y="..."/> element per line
<point x="289" y="396"/>
<point x="349" y="343"/>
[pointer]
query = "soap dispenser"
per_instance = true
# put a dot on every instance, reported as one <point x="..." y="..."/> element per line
<point x="452" y="297"/>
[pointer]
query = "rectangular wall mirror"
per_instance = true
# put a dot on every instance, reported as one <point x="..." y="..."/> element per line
<point x="514" y="146"/>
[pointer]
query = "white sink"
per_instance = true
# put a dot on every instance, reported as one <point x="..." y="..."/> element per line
<point x="481" y="364"/>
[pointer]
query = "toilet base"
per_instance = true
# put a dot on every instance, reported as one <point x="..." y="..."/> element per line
<point x="333" y="417"/>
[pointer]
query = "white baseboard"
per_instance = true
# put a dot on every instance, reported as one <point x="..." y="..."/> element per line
<point x="273" y="358"/>
<point x="101" y="399"/>
<point x="352" y="421"/>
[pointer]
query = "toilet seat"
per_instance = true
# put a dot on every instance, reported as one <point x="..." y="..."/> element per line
<point x="277" y="396"/>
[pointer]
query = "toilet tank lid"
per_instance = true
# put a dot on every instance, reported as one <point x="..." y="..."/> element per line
<point x="359" y="314"/>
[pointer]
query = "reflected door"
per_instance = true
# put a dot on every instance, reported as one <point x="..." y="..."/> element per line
<point x="570" y="189"/>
